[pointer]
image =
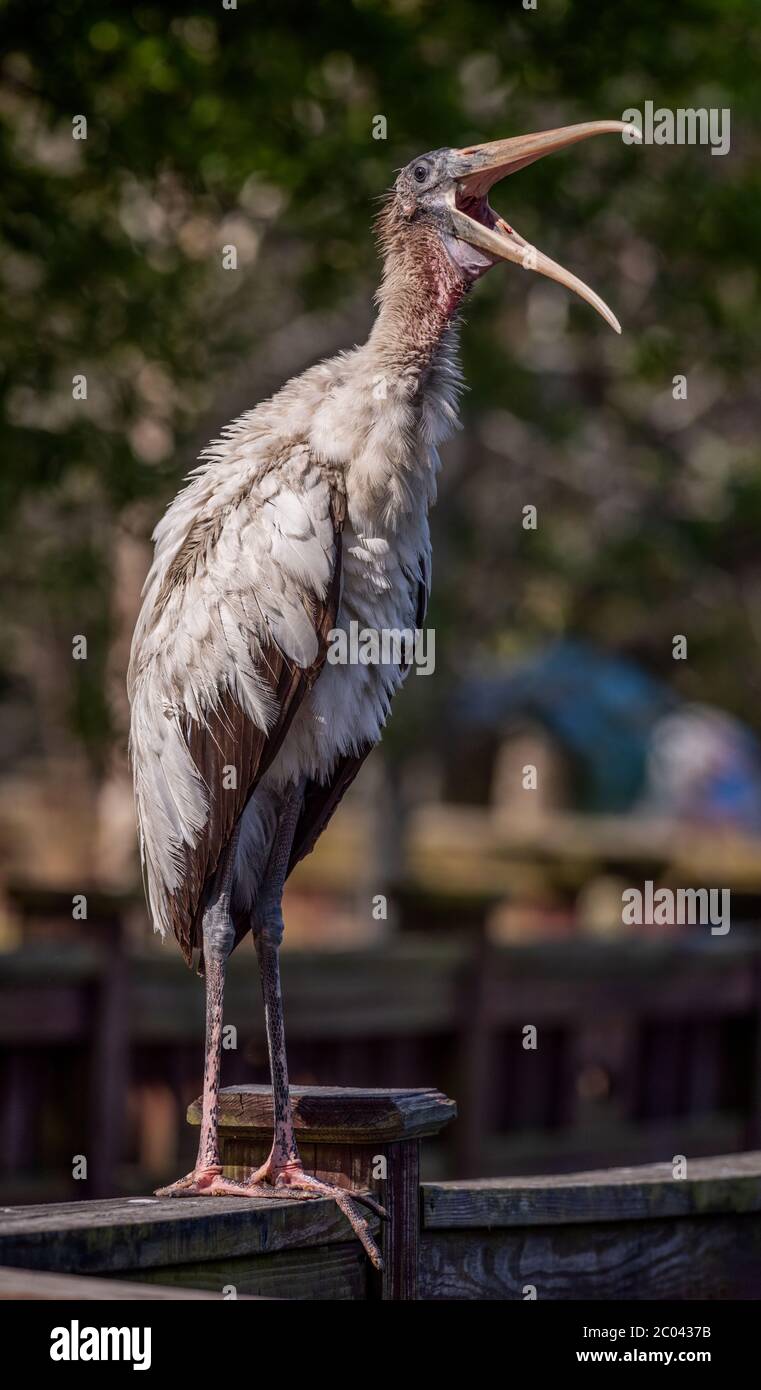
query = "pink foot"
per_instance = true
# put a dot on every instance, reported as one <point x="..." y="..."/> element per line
<point x="291" y="1182"/>
<point x="197" y="1184"/>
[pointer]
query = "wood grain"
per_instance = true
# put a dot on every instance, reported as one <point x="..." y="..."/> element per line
<point x="337" y="1273"/>
<point x="713" y="1186"/>
<point x="116" y="1236"/>
<point x="37" y="1285"/>
<point x="687" y="1258"/>
<point x="335" y="1115"/>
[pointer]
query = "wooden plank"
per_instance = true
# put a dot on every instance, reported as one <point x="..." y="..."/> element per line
<point x="704" y="1066"/>
<point x="332" y="1272"/>
<point x="109" y="1062"/>
<point x="400" y="1235"/>
<point x="334" y="1114"/>
<point x="34" y="900"/>
<point x="35" y="1284"/>
<point x="33" y="1015"/>
<point x="127" y="1234"/>
<point x="688" y="1258"/>
<point x="17" y="1107"/>
<point x="50" y="964"/>
<point x="637" y="960"/>
<point x="609" y="1140"/>
<point x="385" y="991"/>
<point x="726" y="1184"/>
<point x="475" y="1059"/>
<point x="753" y="1123"/>
<point x="413" y="988"/>
<point x="568" y="846"/>
<point x="512" y="998"/>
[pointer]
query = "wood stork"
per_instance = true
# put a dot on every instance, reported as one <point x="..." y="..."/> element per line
<point x="308" y="514"/>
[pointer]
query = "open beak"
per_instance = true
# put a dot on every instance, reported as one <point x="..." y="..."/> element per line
<point x="476" y="169"/>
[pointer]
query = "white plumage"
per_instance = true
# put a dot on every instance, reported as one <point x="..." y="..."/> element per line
<point x="255" y="516"/>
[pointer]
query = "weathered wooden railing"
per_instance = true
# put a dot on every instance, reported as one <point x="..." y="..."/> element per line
<point x="637" y="1233"/>
<point x="351" y="1137"/>
<point x="646" y="1048"/>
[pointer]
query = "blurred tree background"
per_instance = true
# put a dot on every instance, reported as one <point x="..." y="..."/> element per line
<point x="253" y="126"/>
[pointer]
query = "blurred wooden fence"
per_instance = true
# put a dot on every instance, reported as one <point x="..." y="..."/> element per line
<point x="643" y="1049"/>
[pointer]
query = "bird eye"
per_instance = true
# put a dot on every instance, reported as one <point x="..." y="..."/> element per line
<point x="420" y="173"/>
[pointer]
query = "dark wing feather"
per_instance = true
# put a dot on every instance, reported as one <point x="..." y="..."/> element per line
<point x="230" y="739"/>
<point x="321" y="800"/>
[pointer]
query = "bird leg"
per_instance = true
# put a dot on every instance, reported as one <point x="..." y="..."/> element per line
<point x="283" y="1174"/>
<point x="218" y="940"/>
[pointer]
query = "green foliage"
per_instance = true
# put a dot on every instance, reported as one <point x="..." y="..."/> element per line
<point x="254" y="126"/>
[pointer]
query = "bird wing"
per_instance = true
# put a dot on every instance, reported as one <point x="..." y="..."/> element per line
<point x="233" y="633"/>
<point x="321" y="800"/>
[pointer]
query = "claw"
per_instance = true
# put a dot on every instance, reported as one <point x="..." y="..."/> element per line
<point x="295" y="1182"/>
<point x="368" y="1201"/>
<point x="358" y="1224"/>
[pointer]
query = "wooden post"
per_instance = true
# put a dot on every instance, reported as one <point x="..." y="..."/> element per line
<point x="110" y="1056"/>
<point x="752" y="1135"/>
<point x="350" y="1137"/>
<point x="475" y="1069"/>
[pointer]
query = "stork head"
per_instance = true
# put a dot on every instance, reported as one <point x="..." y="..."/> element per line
<point x="447" y="192"/>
